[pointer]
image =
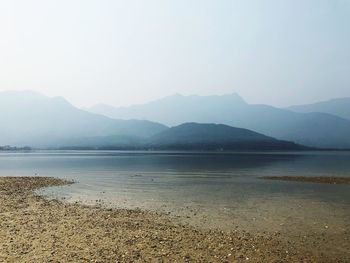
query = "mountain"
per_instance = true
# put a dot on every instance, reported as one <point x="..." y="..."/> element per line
<point x="198" y="136"/>
<point x="29" y="118"/>
<point x="339" y="107"/>
<point x="311" y="129"/>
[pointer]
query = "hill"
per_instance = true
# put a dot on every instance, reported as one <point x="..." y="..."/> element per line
<point x="311" y="129"/>
<point x="339" y="107"/>
<point x="198" y="136"/>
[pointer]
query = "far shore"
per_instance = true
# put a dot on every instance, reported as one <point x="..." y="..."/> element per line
<point x="314" y="179"/>
<point x="35" y="229"/>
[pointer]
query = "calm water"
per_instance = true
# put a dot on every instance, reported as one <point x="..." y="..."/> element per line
<point x="211" y="190"/>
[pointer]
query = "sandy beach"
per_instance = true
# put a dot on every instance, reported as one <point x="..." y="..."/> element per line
<point x="34" y="229"/>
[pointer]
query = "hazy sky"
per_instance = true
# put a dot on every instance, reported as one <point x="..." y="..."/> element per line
<point x="124" y="52"/>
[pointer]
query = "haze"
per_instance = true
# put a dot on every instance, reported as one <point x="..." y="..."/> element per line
<point x="127" y="52"/>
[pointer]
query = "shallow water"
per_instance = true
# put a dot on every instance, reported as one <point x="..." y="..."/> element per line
<point x="220" y="190"/>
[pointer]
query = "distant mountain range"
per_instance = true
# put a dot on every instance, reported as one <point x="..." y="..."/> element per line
<point x="203" y="123"/>
<point x="339" y="107"/>
<point x="31" y="119"/>
<point x="315" y="129"/>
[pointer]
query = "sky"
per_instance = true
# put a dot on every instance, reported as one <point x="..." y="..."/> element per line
<point x="278" y="52"/>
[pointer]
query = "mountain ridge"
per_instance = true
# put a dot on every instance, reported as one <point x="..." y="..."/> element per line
<point x="321" y="130"/>
<point x="337" y="106"/>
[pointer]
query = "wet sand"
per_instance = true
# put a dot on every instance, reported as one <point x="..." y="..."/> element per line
<point x="35" y="229"/>
<point x="317" y="179"/>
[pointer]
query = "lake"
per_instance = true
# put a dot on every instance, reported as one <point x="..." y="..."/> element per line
<point x="210" y="190"/>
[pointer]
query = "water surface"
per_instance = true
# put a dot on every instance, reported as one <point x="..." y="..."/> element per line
<point x="220" y="190"/>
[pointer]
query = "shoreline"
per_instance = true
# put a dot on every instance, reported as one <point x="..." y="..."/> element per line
<point x="306" y="179"/>
<point x="37" y="229"/>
